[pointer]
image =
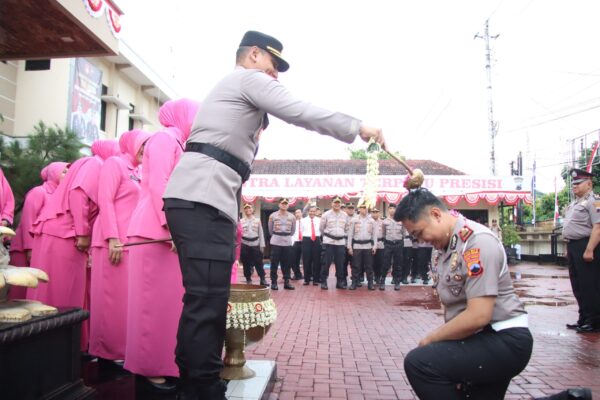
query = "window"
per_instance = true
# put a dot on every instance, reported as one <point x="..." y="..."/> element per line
<point x="131" y="120"/>
<point x="103" y="110"/>
<point x="37" y="65"/>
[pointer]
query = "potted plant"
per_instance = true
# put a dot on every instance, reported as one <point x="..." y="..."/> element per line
<point x="510" y="237"/>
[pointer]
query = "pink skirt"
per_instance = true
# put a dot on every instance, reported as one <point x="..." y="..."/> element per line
<point x="108" y="301"/>
<point x="18" y="259"/>
<point x="154" y="307"/>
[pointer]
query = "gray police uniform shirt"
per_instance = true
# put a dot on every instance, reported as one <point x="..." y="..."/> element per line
<point x="362" y="228"/>
<point x="334" y="224"/>
<point x="230" y="118"/>
<point x="392" y="230"/>
<point x="252" y="232"/>
<point x="580" y="217"/>
<point x="474" y="265"/>
<point x="282" y="223"/>
<point x="379" y="229"/>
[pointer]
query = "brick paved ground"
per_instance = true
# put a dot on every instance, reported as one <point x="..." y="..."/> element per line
<point x="350" y="345"/>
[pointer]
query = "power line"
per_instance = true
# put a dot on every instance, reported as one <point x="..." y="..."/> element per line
<point x="554" y="119"/>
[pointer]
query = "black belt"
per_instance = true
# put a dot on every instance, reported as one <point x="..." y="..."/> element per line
<point x="362" y="241"/>
<point x="577" y="240"/>
<point x="393" y="242"/>
<point x="242" y="169"/>
<point x="334" y="237"/>
<point x="379" y="240"/>
<point x="282" y="233"/>
<point x="247" y="239"/>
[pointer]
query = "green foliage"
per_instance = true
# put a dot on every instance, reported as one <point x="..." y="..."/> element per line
<point x="361" y="154"/>
<point x="582" y="164"/>
<point x="22" y="164"/>
<point x="544" y="206"/>
<point x="510" y="235"/>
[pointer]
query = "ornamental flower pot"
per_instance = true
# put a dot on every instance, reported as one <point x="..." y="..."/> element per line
<point x="250" y="314"/>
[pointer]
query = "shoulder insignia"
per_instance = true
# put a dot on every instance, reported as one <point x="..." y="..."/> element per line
<point x="473" y="260"/>
<point x="465" y="233"/>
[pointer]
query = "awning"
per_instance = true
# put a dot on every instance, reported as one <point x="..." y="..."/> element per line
<point x="452" y="188"/>
<point x="33" y="29"/>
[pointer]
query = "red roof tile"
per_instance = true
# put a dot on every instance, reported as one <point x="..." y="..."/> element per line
<point x="346" y="167"/>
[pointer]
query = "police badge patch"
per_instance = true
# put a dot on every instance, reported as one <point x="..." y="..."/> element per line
<point x="473" y="260"/>
<point x="455" y="290"/>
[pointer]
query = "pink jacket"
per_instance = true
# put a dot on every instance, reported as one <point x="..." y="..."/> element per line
<point x="161" y="154"/>
<point x="7" y="200"/>
<point x="120" y="183"/>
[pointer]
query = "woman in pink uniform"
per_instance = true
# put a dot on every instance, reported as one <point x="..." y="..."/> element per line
<point x="63" y="231"/>
<point x="7" y="202"/>
<point x="22" y="244"/>
<point x="155" y="283"/>
<point x="120" y="183"/>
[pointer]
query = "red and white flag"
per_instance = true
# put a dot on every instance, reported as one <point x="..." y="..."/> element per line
<point x="592" y="156"/>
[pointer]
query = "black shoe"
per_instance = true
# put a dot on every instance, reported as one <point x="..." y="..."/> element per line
<point x="341" y="284"/>
<point x="315" y="283"/>
<point x="587" y="328"/>
<point x="169" y="386"/>
<point x="214" y="391"/>
<point x="573" y="326"/>
<point x="344" y="284"/>
<point x="287" y="285"/>
<point x="353" y="286"/>
<point x="296" y="278"/>
<point x="248" y="281"/>
<point x="359" y="284"/>
<point x="579" y="393"/>
<point x="274" y="286"/>
<point x="306" y="283"/>
<point x="425" y="281"/>
<point x="263" y="282"/>
<point x="413" y="280"/>
<point x="405" y="281"/>
<point x="324" y="285"/>
<point x="370" y="285"/>
<point x="397" y="286"/>
<point x="381" y="283"/>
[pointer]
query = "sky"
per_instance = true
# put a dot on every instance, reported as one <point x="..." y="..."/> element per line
<point x="413" y="68"/>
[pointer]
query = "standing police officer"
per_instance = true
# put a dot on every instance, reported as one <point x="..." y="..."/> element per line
<point x="362" y="241"/>
<point x="581" y="230"/>
<point x="282" y="225"/>
<point x="380" y="247"/>
<point x="334" y="227"/>
<point x="393" y="238"/>
<point x="253" y="245"/>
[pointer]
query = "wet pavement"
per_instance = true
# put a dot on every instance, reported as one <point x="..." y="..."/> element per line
<point x="341" y="344"/>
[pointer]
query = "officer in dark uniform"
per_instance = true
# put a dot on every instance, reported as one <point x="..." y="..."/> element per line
<point x="581" y="230"/>
<point x="485" y="341"/>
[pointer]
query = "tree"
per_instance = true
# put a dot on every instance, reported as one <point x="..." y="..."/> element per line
<point x="22" y="164"/>
<point x="361" y="154"/>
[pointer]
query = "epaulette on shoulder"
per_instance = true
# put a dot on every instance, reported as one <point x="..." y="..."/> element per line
<point x="596" y="196"/>
<point x="465" y="233"/>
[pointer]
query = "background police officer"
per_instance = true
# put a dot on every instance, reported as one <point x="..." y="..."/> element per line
<point x="393" y="238"/>
<point x="253" y="245"/>
<point x="282" y="225"/>
<point x="581" y="229"/>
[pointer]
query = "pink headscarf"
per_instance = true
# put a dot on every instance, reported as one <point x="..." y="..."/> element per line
<point x="105" y="148"/>
<point x="44" y="173"/>
<point x="52" y="173"/>
<point x="178" y="116"/>
<point x="130" y="143"/>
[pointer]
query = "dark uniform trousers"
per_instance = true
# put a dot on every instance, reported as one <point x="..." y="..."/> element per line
<point x="483" y="364"/>
<point x="408" y="261"/>
<point x="420" y="265"/>
<point x="251" y="257"/>
<point x="347" y="260"/>
<point x="393" y="257"/>
<point x="311" y="258"/>
<point x="378" y="263"/>
<point x="280" y="255"/>
<point x="585" y="281"/>
<point x="362" y="260"/>
<point x="205" y="241"/>
<point x="296" y="256"/>
<point x="334" y="253"/>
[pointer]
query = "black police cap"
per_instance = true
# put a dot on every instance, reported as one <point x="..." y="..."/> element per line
<point x="579" y="175"/>
<point x="267" y="43"/>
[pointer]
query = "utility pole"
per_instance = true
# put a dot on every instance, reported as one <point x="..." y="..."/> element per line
<point x="493" y="125"/>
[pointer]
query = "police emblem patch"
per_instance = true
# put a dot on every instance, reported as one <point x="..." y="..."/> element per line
<point x="455" y="290"/>
<point x="473" y="260"/>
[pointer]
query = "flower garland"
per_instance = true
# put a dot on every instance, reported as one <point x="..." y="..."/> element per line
<point x="249" y="315"/>
<point x="372" y="177"/>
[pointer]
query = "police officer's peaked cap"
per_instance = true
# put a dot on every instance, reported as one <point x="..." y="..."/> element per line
<point x="336" y="199"/>
<point x="283" y="200"/>
<point x="375" y="209"/>
<point x="362" y="205"/>
<point x="579" y="175"/>
<point x="247" y="205"/>
<point x="392" y="205"/>
<point x="350" y="205"/>
<point x="267" y="43"/>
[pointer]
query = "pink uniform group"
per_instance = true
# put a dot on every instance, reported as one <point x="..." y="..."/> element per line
<point x="73" y="226"/>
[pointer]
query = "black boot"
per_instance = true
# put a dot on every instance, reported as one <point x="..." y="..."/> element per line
<point x="324" y="284"/>
<point x="579" y="393"/>
<point x="287" y="285"/>
<point x="382" y="283"/>
<point x="274" y="285"/>
<point x="370" y="285"/>
<point x="397" y="285"/>
<point x="263" y="281"/>
<point x="353" y="285"/>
